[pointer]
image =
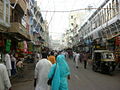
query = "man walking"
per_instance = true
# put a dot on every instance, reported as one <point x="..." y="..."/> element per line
<point x="4" y="78"/>
<point x="77" y="59"/>
<point x="41" y="73"/>
<point x="85" y="57"/>
<point x="8" y="64"/>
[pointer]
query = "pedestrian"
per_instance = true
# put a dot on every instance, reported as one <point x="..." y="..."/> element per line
<point x="80" y="57"/>
<point x="60" y="73"/>
<point x="85" y="57"/>
<point x="13" y="63"/>
<point x="76" y="59"/>
<point x="19" y="66"/>
<point x="55" y="53"/>
<point x="4" y="78"/>
<point x="66" y="53"/>
<point x="41" y="73"/>
<point x="8" y="63"/>
<point x="51" y="58"/>
<point x="37" y="57"/>
<point x="74" y="54"/>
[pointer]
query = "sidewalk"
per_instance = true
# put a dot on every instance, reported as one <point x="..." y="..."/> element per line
<point x="26" y="82"/>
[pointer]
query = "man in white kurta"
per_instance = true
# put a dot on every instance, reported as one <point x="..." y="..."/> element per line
<point x="8" y="64"/>
<point x="41" y="74"/>
<point x="77" y="55"/>
<point x="4" y="78"/>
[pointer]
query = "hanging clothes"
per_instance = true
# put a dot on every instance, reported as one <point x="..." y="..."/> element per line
<point x="8" y="44"/>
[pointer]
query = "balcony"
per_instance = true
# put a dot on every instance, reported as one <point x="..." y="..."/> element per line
<point x="19" y="31"/>
<point x="20" y="4"/>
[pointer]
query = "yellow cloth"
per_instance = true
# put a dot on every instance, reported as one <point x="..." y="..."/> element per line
<point x="52" y="59"/>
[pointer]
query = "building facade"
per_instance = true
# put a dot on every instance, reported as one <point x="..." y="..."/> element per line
<point x="21" y="28"/>
<point x="103" y="26"/>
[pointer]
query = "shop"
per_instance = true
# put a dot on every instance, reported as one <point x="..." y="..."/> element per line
<point x="5" y="45"/>
<point x="117" y="48"/>
<point x="114" y="45"/>
<point x="2" y="46"/>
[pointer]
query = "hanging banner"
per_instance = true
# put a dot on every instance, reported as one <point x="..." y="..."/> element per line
<point x="8" y="44"/>
<point x="25" y="46"/>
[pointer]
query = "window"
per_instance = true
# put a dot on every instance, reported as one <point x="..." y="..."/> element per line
<point x="107" y="16"/>
<point x="117" y="6"/>
<point x="110" y="9"/>
<point x="1" y="9"/>
<point x="103" y="15"/>
<point x="113" y="7"/>
<point x="71" y="17"/>
<point x="7" y="13"/>
<point x="72" y="24"/>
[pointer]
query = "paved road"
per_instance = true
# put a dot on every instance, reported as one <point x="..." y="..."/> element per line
<point x="81" y="79"/>
<point x="86" y="79"/>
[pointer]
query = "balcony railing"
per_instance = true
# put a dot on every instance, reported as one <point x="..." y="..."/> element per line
<point x="21" y="3"/>
<point x="20" y="29"/>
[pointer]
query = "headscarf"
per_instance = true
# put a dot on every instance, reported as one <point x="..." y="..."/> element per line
<point x="63" y="66"/>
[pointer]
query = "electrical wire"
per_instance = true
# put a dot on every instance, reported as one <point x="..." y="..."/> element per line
<point x="46" y="7"/>
<point x="52" y="14"/>
<point x="62" y="11"/>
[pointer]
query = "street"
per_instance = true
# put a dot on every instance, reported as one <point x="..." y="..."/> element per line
<point x="86" y="79"/>
<point x="81" y="79"/>
<point x="31" y="30"/>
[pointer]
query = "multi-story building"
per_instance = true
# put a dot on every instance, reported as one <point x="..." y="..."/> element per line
<point x="68" y="38"/>
<point x="18" y="18"/>
<point x="75" y="21"/>
<point x="46" y="33"/>
<point x="21" y="26"/>
<point x="37" y="28"/>
<point x="104" y="24"/>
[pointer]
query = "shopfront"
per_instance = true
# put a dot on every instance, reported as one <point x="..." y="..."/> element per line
<point x="114" y="45"/>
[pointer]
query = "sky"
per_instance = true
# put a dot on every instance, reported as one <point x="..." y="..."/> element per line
<point x="59" y="21"/>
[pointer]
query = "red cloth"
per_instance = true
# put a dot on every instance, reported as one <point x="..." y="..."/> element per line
<point x="117" y="41"/>
<point x="1" y="43"/>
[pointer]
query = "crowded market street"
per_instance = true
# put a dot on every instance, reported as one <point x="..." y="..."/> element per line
<point x="59" y="44"/>
<point x="81" y="79"/>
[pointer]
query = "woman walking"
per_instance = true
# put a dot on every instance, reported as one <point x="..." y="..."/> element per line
<point x="60" y="73"/>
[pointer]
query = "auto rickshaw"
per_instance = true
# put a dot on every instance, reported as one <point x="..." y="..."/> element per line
<point x="103" y="61"/>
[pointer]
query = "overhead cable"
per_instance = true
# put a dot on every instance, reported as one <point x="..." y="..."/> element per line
<point x="72" y="10"/>
<point x="52" y="14"/>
